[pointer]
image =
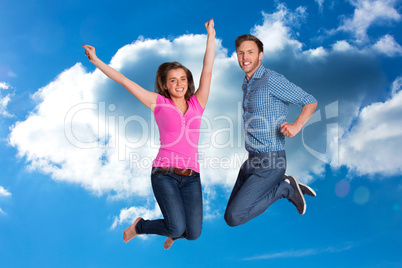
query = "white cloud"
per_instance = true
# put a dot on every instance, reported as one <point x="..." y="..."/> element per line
<point x="4" y="100"/>
<point x="388" y="46"/>
<point x="4" y="85"/>
<point x="320" y="4"/>
<point x="368" y="13"/>
<point x="396" y="86"/>
<point x="276" y="33"/>
<point x="342" y="46"/>
<point x="209" y="197"/>
<point x="4" y="192"/>
<point x="3" y="105"/>
<point x="299" y="253"/>
<point x="128" y="215"/>
<point x="317" y="52"/>
<point x="374" y="142"/>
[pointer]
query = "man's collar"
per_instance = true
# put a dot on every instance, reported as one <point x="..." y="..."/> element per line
<point x="257" y="74"/>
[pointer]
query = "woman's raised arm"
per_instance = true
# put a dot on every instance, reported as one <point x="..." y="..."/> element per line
<point x="146" y="97"/>
<point x="209" y="57"/>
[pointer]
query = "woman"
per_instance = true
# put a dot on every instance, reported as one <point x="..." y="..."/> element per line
<point x="175" y="171"/>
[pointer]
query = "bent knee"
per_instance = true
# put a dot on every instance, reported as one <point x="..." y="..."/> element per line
<point x="231" y="219"/>
<point x="193" y="235"/>
<point x="176" y="230"/>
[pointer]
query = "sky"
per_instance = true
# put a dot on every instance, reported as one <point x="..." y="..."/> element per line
<point x="76" y="148"/>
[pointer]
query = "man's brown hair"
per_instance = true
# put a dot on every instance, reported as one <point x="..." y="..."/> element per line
<point x="249" y="37"/>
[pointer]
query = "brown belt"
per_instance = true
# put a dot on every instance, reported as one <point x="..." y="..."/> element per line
<point x="179" y="171"/>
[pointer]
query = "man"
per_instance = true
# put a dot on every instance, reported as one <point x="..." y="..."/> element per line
<point x="262" y="179"/>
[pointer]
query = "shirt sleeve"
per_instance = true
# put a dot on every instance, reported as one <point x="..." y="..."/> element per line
<point x="288" y="92"/>
<point x="159" y="100"/>
<point x="194" y="101"/>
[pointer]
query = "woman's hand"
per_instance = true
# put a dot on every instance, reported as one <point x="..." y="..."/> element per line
<point x="202" y="93"/>
<point x="90" y="52"/>
<point x="146" y="97"/>
<point x="209" y="25"/>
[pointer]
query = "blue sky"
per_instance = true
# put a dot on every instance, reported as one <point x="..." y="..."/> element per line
<point x="75" y="148"/>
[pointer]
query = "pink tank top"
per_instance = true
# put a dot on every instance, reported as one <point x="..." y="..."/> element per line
<point x="178" y="133"/>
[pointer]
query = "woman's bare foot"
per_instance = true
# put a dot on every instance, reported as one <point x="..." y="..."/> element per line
<point x="168" y="243"/>
<point x="130" y="232"/>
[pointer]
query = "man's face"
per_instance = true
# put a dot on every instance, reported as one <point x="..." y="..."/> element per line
<point x="248" y="57"/>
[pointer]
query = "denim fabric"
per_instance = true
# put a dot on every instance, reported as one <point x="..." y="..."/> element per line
<point x="180" y="200"/>
<point x="259" y="184"/>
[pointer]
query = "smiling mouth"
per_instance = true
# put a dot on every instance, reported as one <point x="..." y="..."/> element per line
<point x="179" y="89"/>
<point x="247" y="63"/>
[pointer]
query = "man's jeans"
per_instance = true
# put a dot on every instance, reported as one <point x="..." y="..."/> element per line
<point x="180" y="200"/>
<point x="259" y="184"/>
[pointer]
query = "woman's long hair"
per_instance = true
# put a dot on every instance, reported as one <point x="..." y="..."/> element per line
<point x="161" y="79"/>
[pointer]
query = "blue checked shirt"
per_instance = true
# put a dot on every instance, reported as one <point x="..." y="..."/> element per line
<point x="266" y="99"/>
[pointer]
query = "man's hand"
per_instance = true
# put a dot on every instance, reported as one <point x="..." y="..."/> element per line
<point x="290" y="130"/>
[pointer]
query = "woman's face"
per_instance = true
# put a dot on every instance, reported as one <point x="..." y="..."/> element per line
<point x="176" y="83"/>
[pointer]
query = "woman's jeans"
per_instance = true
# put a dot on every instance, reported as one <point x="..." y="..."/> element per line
<point x="259" y="184"/>
<point x="180" y="200"/>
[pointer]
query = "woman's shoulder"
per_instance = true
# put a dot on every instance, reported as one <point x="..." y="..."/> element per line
<point x="162" y="99"/>
<point x="194" y="101"/>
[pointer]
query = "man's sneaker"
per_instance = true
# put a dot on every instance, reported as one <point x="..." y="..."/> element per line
<point x="297" y="198"/>
<point x="307" y="190"/>
<point x="303" y="187"/>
